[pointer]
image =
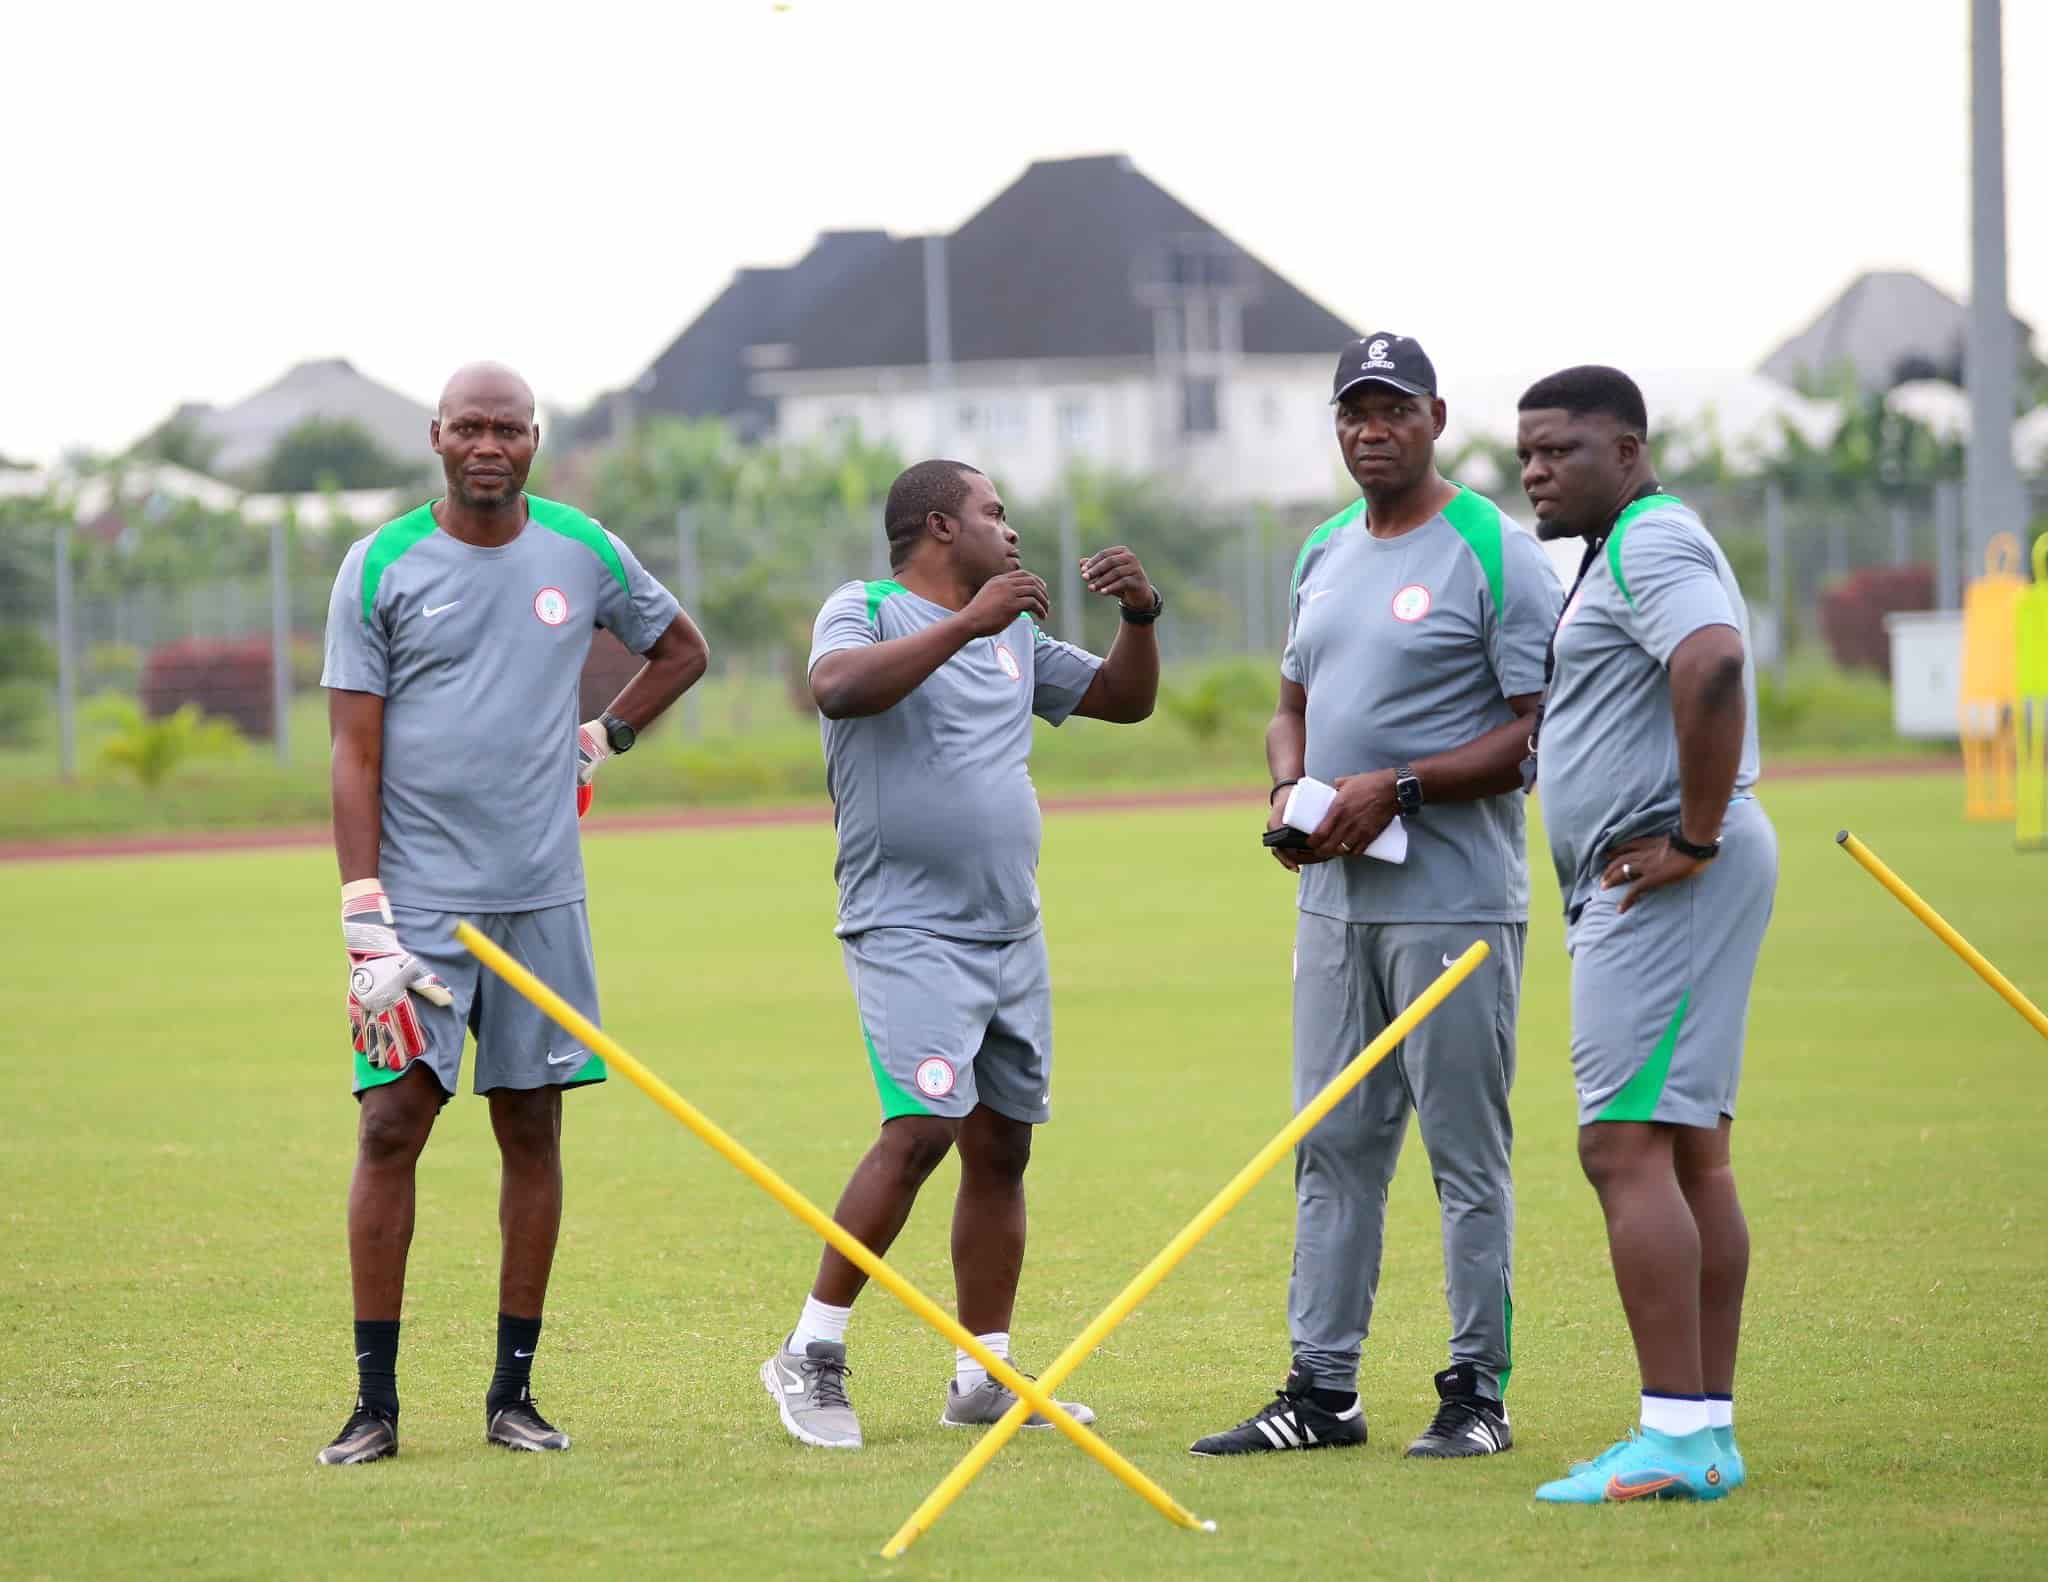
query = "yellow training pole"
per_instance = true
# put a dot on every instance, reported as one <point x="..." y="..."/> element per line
<point x="566" y="1015"/>
<point x="984" y="1451"/>
<point x="1948" y="936"/>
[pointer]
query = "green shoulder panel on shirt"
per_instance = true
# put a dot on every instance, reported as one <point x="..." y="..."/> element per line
<point x="877" y="592"/>
<point x="1321" y="536"/>
<point x="1648" y="503"/>
<point x="572" y="523"/>
<point x="393" y="539"/>
<point x="1477" y="520"/>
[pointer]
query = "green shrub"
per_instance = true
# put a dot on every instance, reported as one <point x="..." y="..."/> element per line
<point x="111" y="667"/>
<point x="152" y="749"/>
<point x="1232" y="695"/>
<point x="24" y="705"/>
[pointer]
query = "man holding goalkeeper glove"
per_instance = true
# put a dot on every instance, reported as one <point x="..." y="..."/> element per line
<point x="455" y="641"/>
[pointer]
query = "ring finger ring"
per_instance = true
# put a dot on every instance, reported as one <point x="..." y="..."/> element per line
<point x="1627" y="872"/>
<point x="1343" y="846"/>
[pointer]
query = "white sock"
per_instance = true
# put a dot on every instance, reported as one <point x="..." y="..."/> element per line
<point x="1721" y="1412"/>
<point x="821" y="1321"/>
<point x="969" y="1374"/>
<point x="1676" y="1415"/>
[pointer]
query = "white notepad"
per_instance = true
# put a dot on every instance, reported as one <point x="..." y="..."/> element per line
<point x="1308" y="804"/>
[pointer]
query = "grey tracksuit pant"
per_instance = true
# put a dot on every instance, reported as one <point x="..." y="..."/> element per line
<point x="1455" y="1072"/>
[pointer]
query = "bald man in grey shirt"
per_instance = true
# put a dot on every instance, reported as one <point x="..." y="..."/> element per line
<point x="455" y="641"/>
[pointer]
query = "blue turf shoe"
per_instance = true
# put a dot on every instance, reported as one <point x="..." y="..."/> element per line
<point x="1645" y="1466"/>
<point x="1733" y="1473"/>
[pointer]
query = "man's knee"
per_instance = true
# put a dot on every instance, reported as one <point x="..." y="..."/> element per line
<point x="995" y="1148"/>
<point x="394" y="1121"/>
<point x="911" y="1147"/>
<point x="528" y="1123"/>
<point x="1614" y="1152"/>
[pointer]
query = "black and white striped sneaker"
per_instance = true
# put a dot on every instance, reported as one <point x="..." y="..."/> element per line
<point x="518" y="1425"/>
<point x="1466" y="1423"/>
<point x="368" y="1435"/>
<point x="1290" y="1421"/>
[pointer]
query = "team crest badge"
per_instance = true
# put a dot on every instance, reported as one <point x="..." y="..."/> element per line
<point x="1008" y="661"/>
<point x="934" y="1074"/>
<point x="552" y="606"/>
<point x="1411" y="603"/>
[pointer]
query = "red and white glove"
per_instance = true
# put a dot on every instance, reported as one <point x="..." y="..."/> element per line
<point x="382" y="978"/>
<point x="593" y="747"/>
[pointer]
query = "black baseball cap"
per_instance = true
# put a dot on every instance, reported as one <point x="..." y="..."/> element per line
<point x="1397" y="361"/>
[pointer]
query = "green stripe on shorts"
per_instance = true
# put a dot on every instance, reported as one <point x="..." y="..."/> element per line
<point x="895" y="1101"/>
<point x="1637" y="1100"/>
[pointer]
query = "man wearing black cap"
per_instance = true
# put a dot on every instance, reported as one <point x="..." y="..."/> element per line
<point x="1417" y="625"/>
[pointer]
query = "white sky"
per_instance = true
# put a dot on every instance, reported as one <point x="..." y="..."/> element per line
<point x="198" y="196"/>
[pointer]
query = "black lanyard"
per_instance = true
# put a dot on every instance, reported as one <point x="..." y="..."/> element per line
<point x="1594" y="544"/>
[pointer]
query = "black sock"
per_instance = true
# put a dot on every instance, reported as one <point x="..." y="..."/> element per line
<point x="1334" y="1400"/>
<point x="377" y="1364"/>
<point x="518" y="1339"/>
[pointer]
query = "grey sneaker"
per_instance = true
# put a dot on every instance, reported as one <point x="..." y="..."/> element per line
<point x="988" y="1401"/>
<point x="366" y="1436"/>
<point x="519" y="1426"/>
<point x="809" y="1390"/>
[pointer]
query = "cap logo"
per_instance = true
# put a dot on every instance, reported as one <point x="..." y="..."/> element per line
<point x="1376" y="350"/>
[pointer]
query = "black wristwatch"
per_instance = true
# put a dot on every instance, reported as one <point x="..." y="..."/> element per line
<point x="1144" y="617"/>
<point x="618" y="733"/>
<point x="1408" y="790"/>
<point x="1706" y="853"/>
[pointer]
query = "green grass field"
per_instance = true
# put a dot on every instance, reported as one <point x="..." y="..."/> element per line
<point x="175" y="1343"/>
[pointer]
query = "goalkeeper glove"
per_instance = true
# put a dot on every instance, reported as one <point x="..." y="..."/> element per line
<point x="382" y="978"/>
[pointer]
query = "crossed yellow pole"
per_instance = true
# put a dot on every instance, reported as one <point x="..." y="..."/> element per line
<point x="558" y="1010"/>
<point x="1999" y="982"/>
<point x="985" y="1449"/>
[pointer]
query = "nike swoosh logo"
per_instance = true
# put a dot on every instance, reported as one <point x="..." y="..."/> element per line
<point x="1618" y="1490"/>
<point x="562" y="1060"/>
<point x="1320" y="593"/>
<point x="360" y="1355"/>
<point x="1448" y="960"/>
<point x="522" y="1355"/>
<point x="432" y="610"/>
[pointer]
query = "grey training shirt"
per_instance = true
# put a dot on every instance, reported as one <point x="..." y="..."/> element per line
<point x="938" y="820"/>
<point x="1411" y="646"/>
<point x="476" y="654"/>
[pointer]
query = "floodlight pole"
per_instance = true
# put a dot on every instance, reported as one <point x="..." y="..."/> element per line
<point x="1993" y="502"/>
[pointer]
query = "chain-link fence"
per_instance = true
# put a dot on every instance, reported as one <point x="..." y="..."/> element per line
<point x="235" y="629"/>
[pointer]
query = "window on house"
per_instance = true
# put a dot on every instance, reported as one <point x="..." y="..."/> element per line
<point x="1077" y="423"/>
<point x="1201" y="411"/>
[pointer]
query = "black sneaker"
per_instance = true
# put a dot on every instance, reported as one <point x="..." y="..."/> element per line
<point x="368" y="1435"/>
<point x="1290" y="1421"/>
<point x="520" y="1426"/>
<point x="1467" y="1423"/>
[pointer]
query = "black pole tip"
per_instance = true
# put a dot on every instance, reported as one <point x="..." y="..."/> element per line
<point x="1841" y="837"/>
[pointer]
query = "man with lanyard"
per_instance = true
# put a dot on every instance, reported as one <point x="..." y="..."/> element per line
<point x="927" y="685"/>
<point x="455" y="638"/>
<point x="1647" y="753"/>
<point x="1414" y="658"/>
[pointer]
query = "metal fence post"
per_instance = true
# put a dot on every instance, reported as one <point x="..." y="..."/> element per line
<point x="1254" y="584"/>
<point x="1948" y="571"/>
<point x="1069" y="623"/>
<point x="1780" y="580"/>
<point x="688" y="582"/>
<point x="1902" y="541"/>
<point x="67" y="660"/>
<point x="280" y="643"/>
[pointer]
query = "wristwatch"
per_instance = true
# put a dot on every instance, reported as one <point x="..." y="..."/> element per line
<point x="1144" y="617"/>
<point x="1706" y="853"/>
<point x="618" y="733"/>
<point x="1408" y="790"/>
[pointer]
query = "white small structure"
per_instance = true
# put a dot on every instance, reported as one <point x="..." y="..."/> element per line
<point x="1927" y="673"/>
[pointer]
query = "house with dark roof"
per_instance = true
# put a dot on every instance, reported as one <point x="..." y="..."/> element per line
<point x="1084" y="314"/>
<point x="1888" y="326"/>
